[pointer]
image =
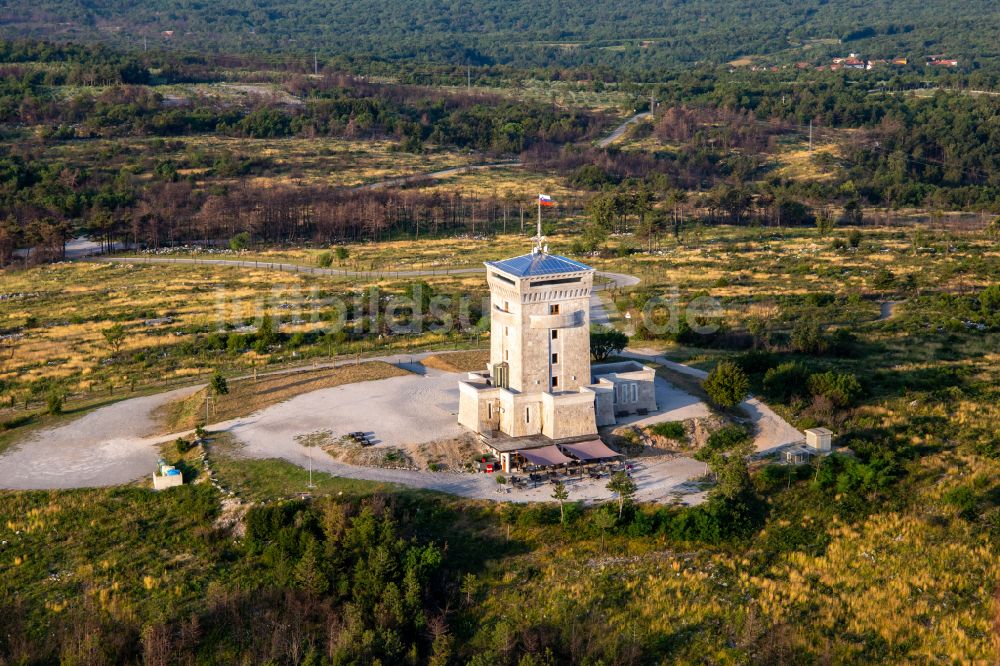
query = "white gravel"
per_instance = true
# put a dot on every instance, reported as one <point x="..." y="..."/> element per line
<point x="106" y="447"/>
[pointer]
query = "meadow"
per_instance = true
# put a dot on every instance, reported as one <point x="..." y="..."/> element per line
<point x="881" y="555"/>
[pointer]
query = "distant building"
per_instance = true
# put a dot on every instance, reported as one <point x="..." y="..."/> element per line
<point x="943" y="63"/>
<point x="900" y="61"/>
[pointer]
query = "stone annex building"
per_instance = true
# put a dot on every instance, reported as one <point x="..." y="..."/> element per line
<point x="540" y="388"/>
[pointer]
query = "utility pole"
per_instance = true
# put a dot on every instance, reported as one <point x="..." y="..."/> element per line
<point x="144" y="46"/>
<point x="652" y="104"/>
<point x="468" y="76"/>
<point x="315" y="64"/>
<point x="810" y="135"/>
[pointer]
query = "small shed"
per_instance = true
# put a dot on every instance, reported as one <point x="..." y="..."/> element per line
<point x="819" y="439"/>
<point x="797" y="455"/>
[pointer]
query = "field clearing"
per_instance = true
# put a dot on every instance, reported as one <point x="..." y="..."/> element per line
<point x="278" y="161"/>
<point x="798" y="163"/>
<point x="517" y="184"/>
<point x="567" y="94"/>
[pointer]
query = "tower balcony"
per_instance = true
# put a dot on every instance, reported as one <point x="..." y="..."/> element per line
<point x="564" y="320"/>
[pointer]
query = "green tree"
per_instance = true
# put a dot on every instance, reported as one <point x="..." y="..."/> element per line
<point x="308" y="575"/>
<point x="54" y="403"/>
<point x="989" y="300"/>
<point x="115" y="337"/>
<point x="807" y="337"/>
<point x="239" y="242"/>
<point x="622" y="485"/>
<point x="606" y="341"/>
<point x="267" y="334"/>
<point x="726" y="452"/>
<point x="825" y="224"/>
<point x="560" y="494"/>
<point x="218" y="385"/>
<point x="727" y="385"/>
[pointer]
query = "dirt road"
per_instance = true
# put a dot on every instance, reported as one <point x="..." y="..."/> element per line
<point x="619" y="131"/>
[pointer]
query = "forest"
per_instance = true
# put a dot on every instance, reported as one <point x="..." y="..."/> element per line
<point x="715" y="138"/>
<point x="629" y="36"/>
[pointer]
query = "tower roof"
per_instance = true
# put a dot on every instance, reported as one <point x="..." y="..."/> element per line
<point x="538" y="263"/>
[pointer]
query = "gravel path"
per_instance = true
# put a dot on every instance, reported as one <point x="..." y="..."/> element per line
<point x="621" y="129"/>
<point x="887" y="310"/>
<point x="773" y="432"/>
<point x="106" y="447"/>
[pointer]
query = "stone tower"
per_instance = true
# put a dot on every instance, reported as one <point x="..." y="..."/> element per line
<point x="540" y="323"/>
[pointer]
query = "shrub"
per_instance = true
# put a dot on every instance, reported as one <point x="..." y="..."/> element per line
<point x="727" y="385"/>
<point x="807" y="337"/>
<point x="841" y="388"/>
<point x="669" y="429"/>
<point x="54" y="403"/>
<point x="727" y="438"/>
<point x="324" y="260"/>
<point x="183" y="446"/>
<point x="239" y="241"/>
<point x="786" y="381"/>
<point x="756" y="361"/>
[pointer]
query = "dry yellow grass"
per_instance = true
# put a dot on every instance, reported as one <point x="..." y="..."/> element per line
<point x="466" y="361"/>
<point x="799" y="164"/>
<point x="247" y="396"/>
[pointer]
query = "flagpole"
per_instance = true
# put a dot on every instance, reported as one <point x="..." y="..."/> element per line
<point x="539" y="222"/>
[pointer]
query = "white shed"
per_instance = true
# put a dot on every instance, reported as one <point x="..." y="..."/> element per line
<point x="819" y="439"/>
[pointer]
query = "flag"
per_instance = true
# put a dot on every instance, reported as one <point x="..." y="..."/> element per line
<point x="546" y="200"/>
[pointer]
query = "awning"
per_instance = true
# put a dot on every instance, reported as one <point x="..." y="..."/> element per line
<point x="545" y="456"/>
<point x="593" y="449"/>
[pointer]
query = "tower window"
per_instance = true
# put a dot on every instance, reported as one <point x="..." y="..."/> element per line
<point x="555" y="334"/>
<point x="505" y="331"/>
<point x="555" y="382"/>
<point x="554" y="309"/>
<point x="555" y="359"/>
<point x="527" y="414"/>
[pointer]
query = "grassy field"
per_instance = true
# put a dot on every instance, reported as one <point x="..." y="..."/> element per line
<point x="887" y="559"/>
<point x="179" y="323"/>
<point x="280" y="161"/>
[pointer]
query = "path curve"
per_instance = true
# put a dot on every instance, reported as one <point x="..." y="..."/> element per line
<point x="772" y="431"/>
<point x="621" y="129"/>
<point x="887" y="310"/>
<point x="109" y="446"/>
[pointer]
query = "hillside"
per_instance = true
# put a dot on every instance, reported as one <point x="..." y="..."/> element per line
<point x="629" y="34"/>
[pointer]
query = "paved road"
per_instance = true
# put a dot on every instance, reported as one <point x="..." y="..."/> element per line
<point x="621" y="129"/>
